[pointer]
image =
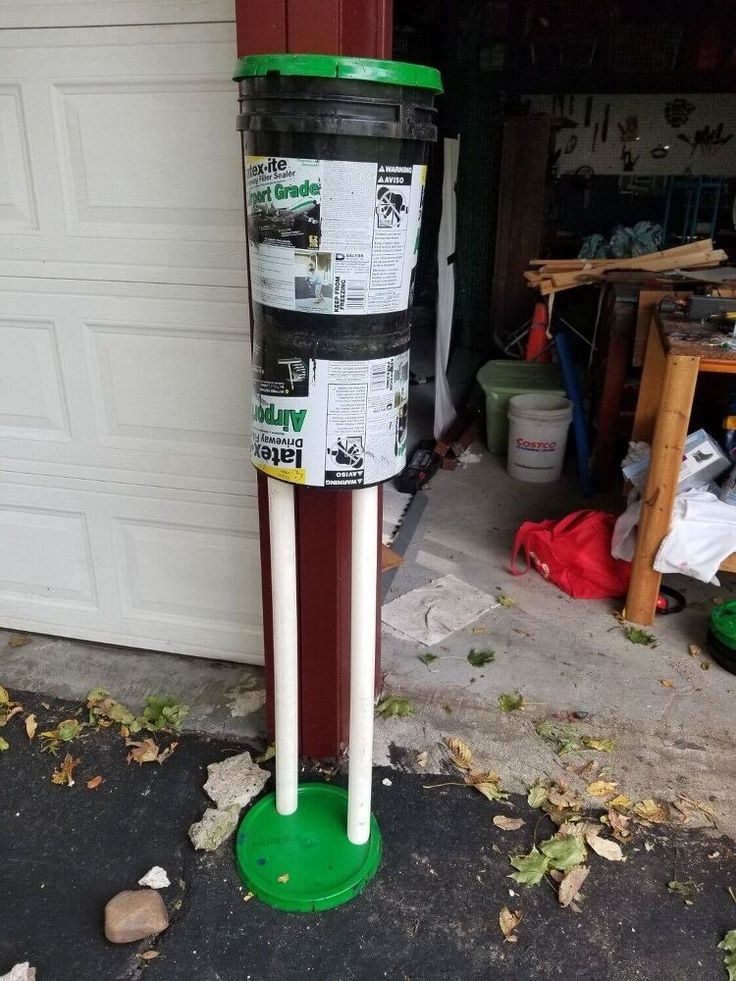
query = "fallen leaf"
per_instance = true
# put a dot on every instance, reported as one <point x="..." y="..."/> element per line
<point x="427" y="658"/>
<point x="124" y="732"/>
<point x="667" y="682"/>
<point x="530" y="868"/>
<point x="619" y="822"/>
<point x="64" y="772"/>
<point x="161" y="714"/>
<point x="506" y="601"/>
<point x="507" y="823"/>
<point x="487" y="784"/>
<point x="4" y="744"/>
<point x="580" y="828"/>
<point x="638" y="636"/>
<point x="166" y="753"/>
<point x="148" y="955"/>
<point x="563" y="738"/>
<point x="283" y="878"/>
<point x="460" y="753"/>
<point x="511" y="703"/>
<point x="394" y="705"/>
<point x="686" y="891"/>
<point x="247" y="896"/>
<point x="563" y="851"/>
<point x="479" y="659"/>
<point x="446" y="708"/>
<point x="570" y="885"/>
<point x="564" y="798"/>
<point x="694" y="651"/>
<point x="19" y="640"/>
<point x="610" y="850"/>
<point x="599" y="745"/>
<point x="601" y="788"/>
<point x="650" y="811"/>
<point x="478" y="631"/>
<point x="142" y="751"/>
<point x="729" y="961"/>
<point x="731" y="893"/>
<point x="101" y="704"/>
<point x="509" y="922"/>
<point x="4" y="696"/>
<point x="620" y="801"/>
<point x="95" y="782"/>
<point x="422" y="758"/>
<point x="537" y="795"/>
<point x="8" y="714"/>
<point x="31" y="726"/>
<point x="268" y="754"/>
<point x="705" y="665"/>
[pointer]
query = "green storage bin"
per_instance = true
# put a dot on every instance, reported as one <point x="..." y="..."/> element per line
<point x="500" y="381"/>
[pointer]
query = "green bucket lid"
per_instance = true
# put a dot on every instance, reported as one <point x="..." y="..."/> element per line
<point x="334" y="66"/>
<point x="723" y="623"/>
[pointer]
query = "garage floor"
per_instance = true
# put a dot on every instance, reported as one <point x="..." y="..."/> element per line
<point x="444" y="875"/>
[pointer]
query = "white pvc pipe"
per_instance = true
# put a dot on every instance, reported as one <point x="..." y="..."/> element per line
<point x="363" y="585"/>
<point x="282" y="532"/>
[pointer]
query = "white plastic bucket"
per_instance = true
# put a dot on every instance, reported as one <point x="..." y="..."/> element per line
<point x="538" y="427"/>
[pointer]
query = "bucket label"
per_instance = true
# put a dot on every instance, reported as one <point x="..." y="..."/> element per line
<point x="333" y="236"/>
<point x="331" y="423"/>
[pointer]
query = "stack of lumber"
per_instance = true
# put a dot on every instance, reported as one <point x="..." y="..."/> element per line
<point x="553" y="275"/>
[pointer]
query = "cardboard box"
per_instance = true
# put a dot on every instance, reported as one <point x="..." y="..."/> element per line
<point x="702" y="461"/>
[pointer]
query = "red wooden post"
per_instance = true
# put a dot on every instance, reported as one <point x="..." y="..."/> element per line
<point x="362" y="28"/>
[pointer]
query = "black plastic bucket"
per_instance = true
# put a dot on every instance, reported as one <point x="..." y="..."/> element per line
<point x="335" y="156"/>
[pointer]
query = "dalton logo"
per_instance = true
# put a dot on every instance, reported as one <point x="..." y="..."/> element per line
<point x="290" y="420"/>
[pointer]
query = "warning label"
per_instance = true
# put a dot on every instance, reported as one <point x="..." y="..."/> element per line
<point x="333" y="236"/>
<point x="343" y="424"/>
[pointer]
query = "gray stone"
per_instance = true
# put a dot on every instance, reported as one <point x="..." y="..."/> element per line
<point x="135" y="914"/>
<point x="235" y="781"/>
<point x="216" y="826"/>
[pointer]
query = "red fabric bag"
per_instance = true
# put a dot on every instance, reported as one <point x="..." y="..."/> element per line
<point x="574" y="554"/>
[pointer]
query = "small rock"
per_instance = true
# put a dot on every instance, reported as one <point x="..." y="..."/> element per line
<point x="20" y="972"/>
<point x="135" y="914"/>
<point x="216" y="826"/>
<point x="386" y="782"/>
<point x="235" y="781"/>
<point x="155" y="878"/>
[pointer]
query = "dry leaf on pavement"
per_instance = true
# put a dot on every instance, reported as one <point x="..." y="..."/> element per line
<point x="694" y="651"/>
<point x="620" y="801"/>
<point x="667" y="682"/>
<point x="148" y="955"/>
<point x="601" y="788"/>
<point x="19" y="640"/>
<point x="31" y="726"/>
<point x="283" y="878"/>
<point x="64" y="772"/>
<point x="460" y="753"/>
<point x="507" y="823"/>
<point x="619" y="822"/>
<point x="650" y="811"/>
<point x="509" y="921"/>
<point x="570" y="885"/>
<point x="606" y="848"/>
<point x="95" y="782"/>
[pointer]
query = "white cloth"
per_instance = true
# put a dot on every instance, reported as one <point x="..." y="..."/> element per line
<point x="702" y="535"/>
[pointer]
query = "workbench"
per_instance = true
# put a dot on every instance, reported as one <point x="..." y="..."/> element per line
<point x="677" y="352"/>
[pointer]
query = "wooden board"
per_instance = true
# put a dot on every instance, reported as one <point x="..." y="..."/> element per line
<point x="521" y="196"/>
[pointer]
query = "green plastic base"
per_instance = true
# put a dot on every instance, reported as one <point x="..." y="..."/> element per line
<point x="304" y="862"/>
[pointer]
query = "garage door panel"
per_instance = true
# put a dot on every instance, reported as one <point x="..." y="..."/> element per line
<point x="156" y="387"/>
<point x="17" y="199"/>
<point x="130" y="168"/>
<point x="46" y="558"/>
<point x="152" y="385"/>
<point x="33" y="403"/>
<point x="124" y="154"/>
<point x="141" y="566"/>
<point x="175" y="574"/>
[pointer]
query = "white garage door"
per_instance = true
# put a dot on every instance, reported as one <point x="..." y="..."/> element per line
<point x="127" y="505"/>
